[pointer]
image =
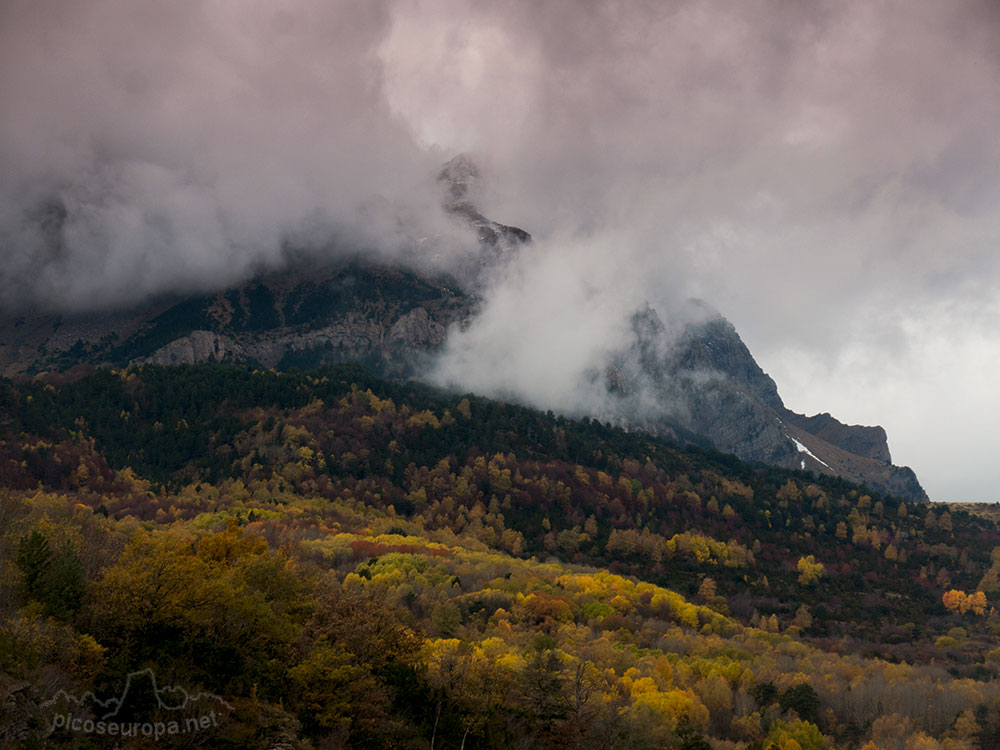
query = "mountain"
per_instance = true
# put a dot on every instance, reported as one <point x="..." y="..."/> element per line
<point x="703" y="378"/>
<point x="686" y="374"/>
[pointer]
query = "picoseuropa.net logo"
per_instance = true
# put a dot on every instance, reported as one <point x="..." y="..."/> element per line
<point x="143" y="709"/>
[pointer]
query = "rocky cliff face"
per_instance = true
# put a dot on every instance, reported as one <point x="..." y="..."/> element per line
<point x="390" y="319"/>
<point x="869" y="442"/>
<point x="701" y="377"/>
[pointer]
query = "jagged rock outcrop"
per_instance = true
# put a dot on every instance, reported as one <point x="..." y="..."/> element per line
<point x="197" y="346"/>
<point x="417" y="330"/>
<point x="696" y="373"/>
<point x="870" y="442"/>
<point x="460" y="179"/>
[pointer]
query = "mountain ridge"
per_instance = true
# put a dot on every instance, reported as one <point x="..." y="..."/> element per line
<point x="686" y="373"/>
<point x="700" y="379"/>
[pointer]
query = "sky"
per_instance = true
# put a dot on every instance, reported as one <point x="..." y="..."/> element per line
<point x="825" y="174"/>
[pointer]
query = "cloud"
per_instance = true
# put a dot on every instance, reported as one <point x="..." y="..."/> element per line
<point x="184" y="145"/>
<point x="544" y="334"/>
<point x="818" y="171"/>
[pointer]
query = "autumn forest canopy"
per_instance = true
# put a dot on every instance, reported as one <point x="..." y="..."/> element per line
<point x="339" y="560"/>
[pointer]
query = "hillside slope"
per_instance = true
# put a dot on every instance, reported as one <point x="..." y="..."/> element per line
<point x="348" y="560"/>
<point x="703" y="382"/>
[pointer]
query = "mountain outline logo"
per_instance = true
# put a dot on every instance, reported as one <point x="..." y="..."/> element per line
<point x="141" y="696"/>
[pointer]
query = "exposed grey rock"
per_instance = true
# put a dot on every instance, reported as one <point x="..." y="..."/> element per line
<point x="862" y="441"/>
<point x="197" y="346"/>
<point x="701" y="378"/>
<point x="417" y="330"/>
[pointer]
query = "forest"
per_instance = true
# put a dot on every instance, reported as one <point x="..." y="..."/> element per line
<point x="328" y="559"/>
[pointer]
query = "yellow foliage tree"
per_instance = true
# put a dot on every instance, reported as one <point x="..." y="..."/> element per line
<point x="795" y="735"/>
<point x="958" y="601"/>
<point x="978" y="603"/>
<point x="810" y="570"/>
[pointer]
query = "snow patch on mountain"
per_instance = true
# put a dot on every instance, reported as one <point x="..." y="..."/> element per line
<point x="802" y="449"/>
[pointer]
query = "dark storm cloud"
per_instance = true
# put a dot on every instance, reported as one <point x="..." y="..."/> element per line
<point x="155" y="145"/>
<point x="825" y="173"/>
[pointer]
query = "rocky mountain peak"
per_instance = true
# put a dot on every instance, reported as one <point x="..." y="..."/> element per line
<point x="690" y="372"/>
<point x="459" y="176"/>
<point x="498" y="243"/>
